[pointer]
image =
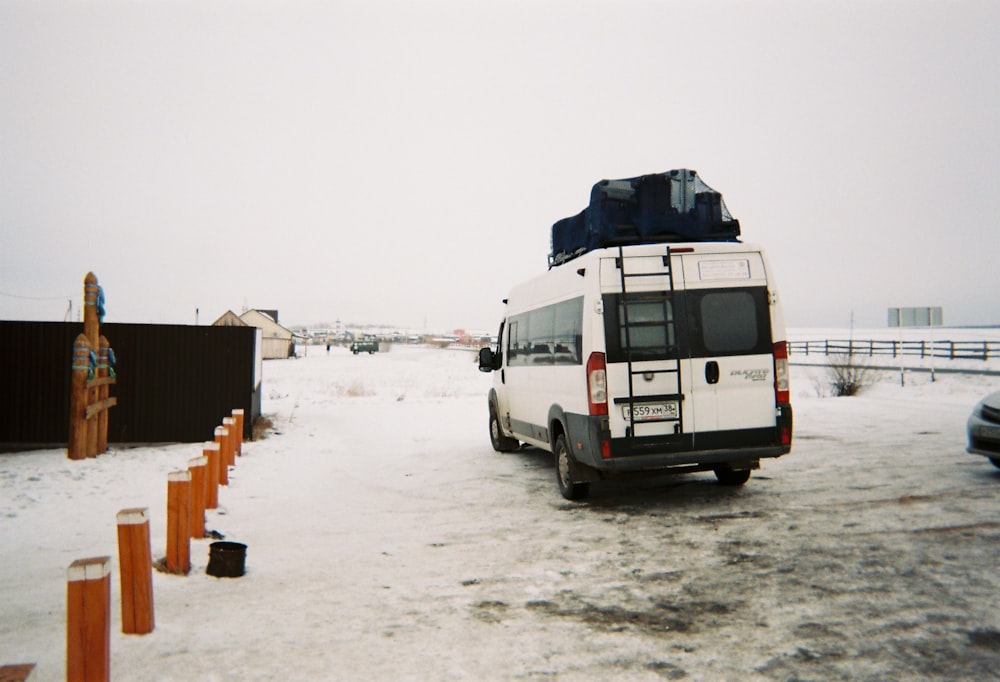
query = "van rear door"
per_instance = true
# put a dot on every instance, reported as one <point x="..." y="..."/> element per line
<point x="645" y="341"/>
<point x="731" y="381"/>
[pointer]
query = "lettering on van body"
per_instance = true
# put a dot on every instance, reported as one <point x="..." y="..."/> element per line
<point x="751" y="374"/>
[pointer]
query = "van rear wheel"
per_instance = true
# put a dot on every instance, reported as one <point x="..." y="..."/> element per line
<point x="500" y="442"/>
<point x="564" y="469"/>
<point x="729" y="476"/>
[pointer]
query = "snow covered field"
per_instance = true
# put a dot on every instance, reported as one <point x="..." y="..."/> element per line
<point x="386" y="540"/>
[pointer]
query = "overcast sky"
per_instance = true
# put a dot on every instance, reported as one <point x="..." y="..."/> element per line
<point x="403" y="162"/>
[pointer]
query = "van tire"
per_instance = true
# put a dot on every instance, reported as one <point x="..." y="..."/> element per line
<point x="500" y="442"/>
<point x="564" y="471"/>
<point x="733" y="477"/>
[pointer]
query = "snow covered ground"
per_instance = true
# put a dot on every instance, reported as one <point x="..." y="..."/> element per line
<point x="386" y="540"/>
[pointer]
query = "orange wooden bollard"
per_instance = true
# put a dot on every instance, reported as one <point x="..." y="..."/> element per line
<point x="77" y="447"/>
<point x="222" y="438"/>
<point x="199" y="484"/>
<point x="211" y="452"/>
<point x="178" y="522"/>
<point x="238" y="416"/>
<point x="230" y="424"/>
<point x="135" y="564"/>
<point x="88" y="620"/>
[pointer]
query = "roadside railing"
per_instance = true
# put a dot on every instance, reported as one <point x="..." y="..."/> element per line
<point x="944" y="349"/>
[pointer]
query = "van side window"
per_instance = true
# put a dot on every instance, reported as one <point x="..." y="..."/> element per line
<point x="729" y="322"/>
<point x="550" y="335"/>
<point x="513" y="343"/>
<point x="567" y="339"/>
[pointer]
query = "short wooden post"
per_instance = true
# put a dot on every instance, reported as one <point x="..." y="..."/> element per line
<point x="77" y="448"/>
<point x="199" y="484"/>
<point x="178" y="522"/>
<point x="18" y="672"/>
<point x="211" y="452"/>
<point x="222" y="438"/>
<point x="88" y="621"/>
<point x="238" y="416"/>
<point x="135" y="564"/>
<point x="230" y="424"/>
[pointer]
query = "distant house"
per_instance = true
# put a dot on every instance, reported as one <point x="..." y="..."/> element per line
<point x="277" y="340"/>
<point x="230" y="319"/>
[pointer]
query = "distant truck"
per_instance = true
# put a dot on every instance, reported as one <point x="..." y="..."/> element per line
<point x="368" y="344"/>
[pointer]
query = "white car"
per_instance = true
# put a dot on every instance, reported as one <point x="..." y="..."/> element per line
<point x="984" y="428"/>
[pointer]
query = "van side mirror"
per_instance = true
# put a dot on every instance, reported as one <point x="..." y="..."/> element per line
<point x="486" y="360"/>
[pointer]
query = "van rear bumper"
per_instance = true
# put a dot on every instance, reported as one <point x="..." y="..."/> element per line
<point x="705" y="458"/>
<point x="745" y="446"/>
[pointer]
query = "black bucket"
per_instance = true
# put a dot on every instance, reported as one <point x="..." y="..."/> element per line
<point x="226" y="559"/>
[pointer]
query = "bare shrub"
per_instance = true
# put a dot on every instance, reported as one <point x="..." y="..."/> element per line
<point x="849" y="375"/>
<point x="261" y="427"/>
<point x="357" y="389"/>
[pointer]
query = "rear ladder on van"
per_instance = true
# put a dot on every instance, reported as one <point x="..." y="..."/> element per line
<point x="671" y="363"/>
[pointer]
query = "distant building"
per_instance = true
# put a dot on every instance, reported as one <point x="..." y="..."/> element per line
<point x="277" y="340"/>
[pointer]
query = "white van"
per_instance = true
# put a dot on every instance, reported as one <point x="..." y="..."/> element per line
<point x="645" y="358"/>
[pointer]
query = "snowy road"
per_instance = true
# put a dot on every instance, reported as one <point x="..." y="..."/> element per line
<point x="386" y="540"/>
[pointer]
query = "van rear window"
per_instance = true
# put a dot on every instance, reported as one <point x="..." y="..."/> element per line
<point x="646" y="327"/>
<point x="729" y="321"/>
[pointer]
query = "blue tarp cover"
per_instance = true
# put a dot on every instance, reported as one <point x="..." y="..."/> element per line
<point x="662" y="207"/>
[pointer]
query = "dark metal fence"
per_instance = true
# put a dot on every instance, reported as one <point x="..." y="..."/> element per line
<point x="949" y="350"/>
<point x="175" y="383"/>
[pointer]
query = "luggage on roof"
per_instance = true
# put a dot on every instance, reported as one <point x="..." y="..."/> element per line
<point x="662" y="207"/>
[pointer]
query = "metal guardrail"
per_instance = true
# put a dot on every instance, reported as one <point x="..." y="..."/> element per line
<point x="947" y="350"/>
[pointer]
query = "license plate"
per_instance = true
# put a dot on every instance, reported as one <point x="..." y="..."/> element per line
<point x="650" y="411"/>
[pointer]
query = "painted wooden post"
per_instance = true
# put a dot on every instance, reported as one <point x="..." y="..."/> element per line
<point x="135" y="564"/>
<point x="178" y="522"/>
<point x="238" y="416"/>
<point x="91" y="319"/>
<point x="88" y="621"/>
<point x="199" y="484"/>
<point x="103" y="371"/>
<point x="222" y="438"/>
<point x="211" y="452"/>
<point x="230" y="424"/>
<point x="77" y="448"/>
<point x="91" y="329"/>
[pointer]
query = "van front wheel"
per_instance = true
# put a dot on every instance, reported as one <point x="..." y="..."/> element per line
<point x="500" y="442"/>
<point x="568" y="489"/>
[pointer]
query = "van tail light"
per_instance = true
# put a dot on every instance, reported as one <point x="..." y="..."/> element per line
<point x="597" y="384"/>
<point x="781" y="390"/>
<point x="786" y="435"/>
